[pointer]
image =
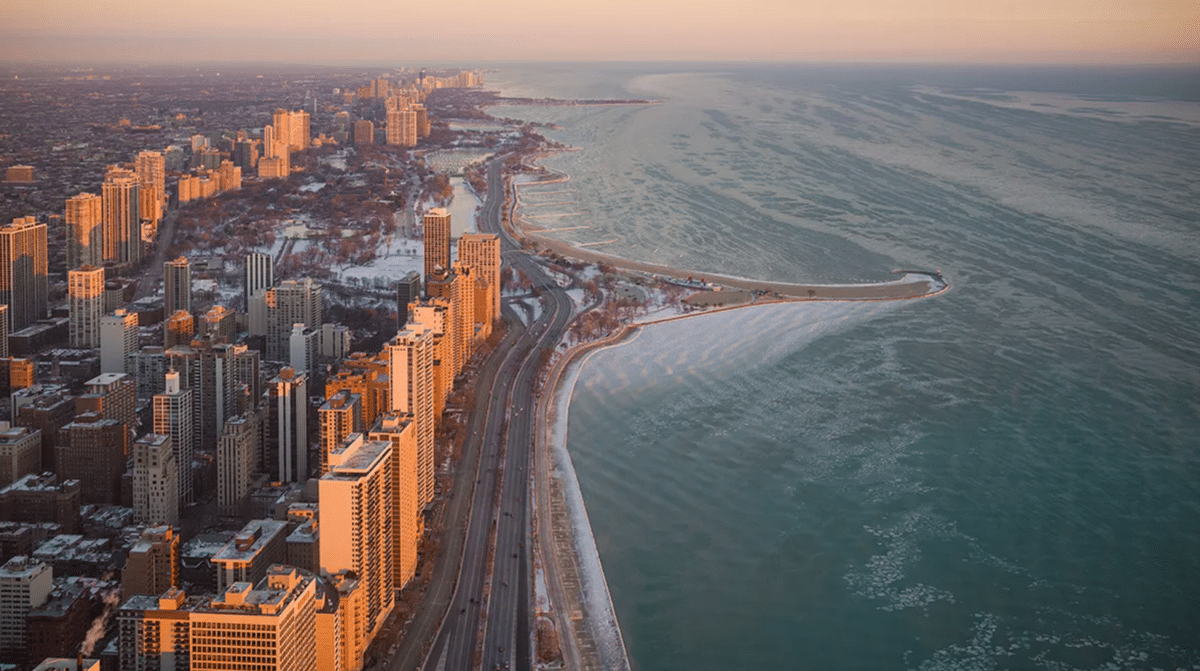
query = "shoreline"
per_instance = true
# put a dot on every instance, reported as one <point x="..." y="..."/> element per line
<point x="900" y="289"/>
<point x="579" y="603"/>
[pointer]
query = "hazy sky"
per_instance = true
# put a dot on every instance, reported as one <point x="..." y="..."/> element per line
<point x="1053" y="31"/>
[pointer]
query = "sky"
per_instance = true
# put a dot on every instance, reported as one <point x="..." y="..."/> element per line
<point x="991" y="31"/>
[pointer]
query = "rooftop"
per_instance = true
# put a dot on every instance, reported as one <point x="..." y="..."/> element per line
<point x="22" y="567"/>
<point x="250" y="540"/>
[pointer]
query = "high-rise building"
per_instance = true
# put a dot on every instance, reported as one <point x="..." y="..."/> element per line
<point x="340" y="415"/>
<point x="85" y="232"/>
<point x="20" y="453"/>
<point x="24" y="284"/>
<point x="299" y="130"/>
<point x="398" y="430"/>
<point x="118" y="339"/>
<point x="94" y="453"/>
<point x="154" y="630"/>
<point x="288" y="424"/>
<point x="121" y="216"/>
<point x="152" y="177"/>
<point x="219" y="323"/>
<point x="25" y="584"/>
<point x="458" y="289"/>
<point x="292" y="302"/>
<point x="335" y="341"/>
<point x="153" y="563"/>
<point x="177" y="286"/>
<point x="364" y="132"/>
<point x="481" y="253"/>
<point x="366" y="376"/>
<point x="356" y="499"/>
<point x="245" y="155"/>
<point x="237" y="453"/>
<point x="436" y="227"/>
<point x="258" y="273"/>
<point x="402" y="127"/>
<point x="113" y="395"/>
<point x="435" y="315"/>
<point x="408" y="290"/>
<point x="213" y="371"/>
<point x="410" y="371"/>
<point x="268" y="627"/>
<point x="304" y="346"/>
<point x="49" y="412"/>
<point x="173" y="417"/>
<point x="85" y="296"/>
<point x="179" y="329"/>
<point x="155" y="480"/>
<point x="246" y="558"/>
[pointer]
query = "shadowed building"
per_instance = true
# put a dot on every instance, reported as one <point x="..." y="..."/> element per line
<point x="23" y="280"/>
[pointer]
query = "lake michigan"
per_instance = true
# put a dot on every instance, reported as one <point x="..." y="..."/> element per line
<point x="1003" y="476"/>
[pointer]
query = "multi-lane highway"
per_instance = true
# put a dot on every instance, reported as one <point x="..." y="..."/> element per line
<point x="492" y="594"/>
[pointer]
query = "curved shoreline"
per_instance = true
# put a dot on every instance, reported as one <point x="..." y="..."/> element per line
<point x="900" y="289"/>
<point x="588" y="631"/>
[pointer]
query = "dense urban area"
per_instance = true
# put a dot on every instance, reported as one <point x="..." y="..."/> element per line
<point x="252" y="378"/>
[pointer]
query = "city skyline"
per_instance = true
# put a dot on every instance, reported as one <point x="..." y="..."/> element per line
<point x="1014" y="31"/>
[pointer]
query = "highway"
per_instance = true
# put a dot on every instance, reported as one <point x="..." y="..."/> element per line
<point x="500" y="501"/>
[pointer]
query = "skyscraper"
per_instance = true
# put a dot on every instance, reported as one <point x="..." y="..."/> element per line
<point x="237" y="452"/>
<point x="211" y="369"/>
<point x="265" y="627"/>
<point x="299" y="133"/>
<point x="340" y="415"/>
<point x="23" y="282"/>
<point x="94" y="454"/>
<point x="155" y="480"/>
<point x="179" y="329"/>
<point x="177" y="286"/>
<point x="481" y="253"/>
<point x="436" y="226"/>
<point x="364" y="132"/>
<point x="121" y="216"/>
<point x="410" y="371"/>
<point x="150" y="167"/>
<point x="258" y="273"/>
<point x="288" y="428"/>
<point x="173" y="417"/>
<point x="434" y="315"/>
<point x="397" y="429"/>
<point x="118" y="339"/>
<point x="25" y="584"/>
<point x="85" y="232"/>
<point x="153" y="563"/>
<point x="408" y="290"/>
<point x="292" y="302"/>
<point x="402" y="127"/>
<point x="85" y="295"/>
<point x="357" y="502"/>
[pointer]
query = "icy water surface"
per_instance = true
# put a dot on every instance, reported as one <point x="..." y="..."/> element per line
<point x="1004" y="476"/>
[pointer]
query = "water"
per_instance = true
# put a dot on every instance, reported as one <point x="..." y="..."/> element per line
<point x="1005" y="476"/>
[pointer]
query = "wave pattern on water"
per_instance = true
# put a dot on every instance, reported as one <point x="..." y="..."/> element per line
<point x="1005" y="476"/>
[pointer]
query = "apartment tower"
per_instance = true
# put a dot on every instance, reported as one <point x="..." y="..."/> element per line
<point x="121" y="216"/>
<point x="24" y="285"/>
<point x="173" y="417"/>
<point x="436" y="227"/>
<point x="85" y="232"/>
<point x="357" y="501"/>
<point x="177" y="286"/>
<point x="85" y="296"/>
<point x="410" y="372"/>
